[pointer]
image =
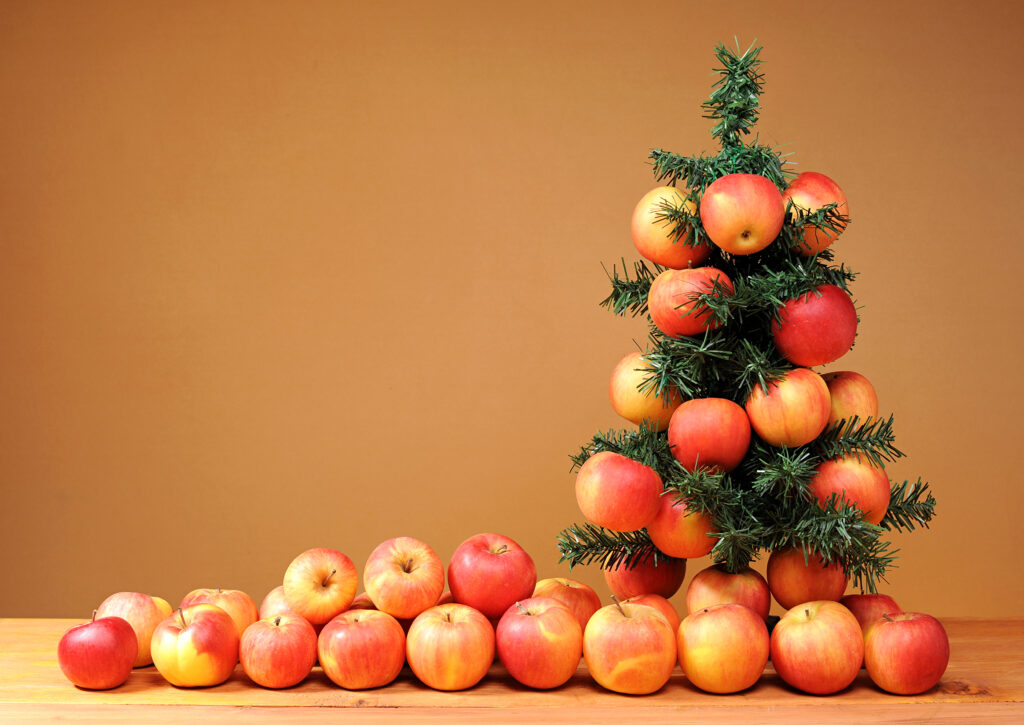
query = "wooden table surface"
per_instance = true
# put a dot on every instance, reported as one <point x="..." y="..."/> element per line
<point x="984" y="683"/>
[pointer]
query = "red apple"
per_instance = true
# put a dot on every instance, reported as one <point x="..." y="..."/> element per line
<point x="629" y="648"/>
<point x="446" y="598"/>
<point x="680" y="532"/>
<point x="490" y="572"/>
<point x="618" y="493"/>
<point x="450" y="647"/>
<point x="646" y="577"/>
<point x="856" y="479"/>
<point x="239" y="605"/>
<point x="98" y="655"/>
<point x="817" y="647"/>
<point x="639" y="407"/>
<point x="794" y="579"/>
<point x="196" y="646"/>
<point x="715" y="585"/>
<point x="711" y="433"/>
<point x="673" y="299"/>
<point x="142" y="612"/>
<point x="723" y="648"/>
<point x="540" y="642"/>
<point x="795" y="410"/>
<point x="868" y="608"/>
<point x="319" y="584"/>
<point x="906" y="653"/>
<point x="742" y="213"/>
<point x="403" y="577"/>
<point x="274" y="603"/>
<point x="817" y="327"/>
<point x="581" y="599"/>
<point x="279" y="651"/>
<point x="809" y="192"/>
<point x="661" y="604"/>
<point x="851" y="395"/>
<point x="655" y="238"/>
<point x="362" y="648"/>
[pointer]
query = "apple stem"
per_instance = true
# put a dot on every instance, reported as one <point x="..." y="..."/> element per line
<point x="181" y="616"/>
<point x="407" y="567"/>
<point x="807" y="613"/>
<point x="327" y="579"/>
<point x="277" y="621"/>
<point x="523" y="609"/>
<point x="619" y="605"/>
<point x="501" y="549"/>
<point x="218" y="590"/>
<point x="94" y="614"/>
<point x="887" y="618"/>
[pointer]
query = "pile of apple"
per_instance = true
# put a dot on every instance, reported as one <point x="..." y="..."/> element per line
<point x="496" y="606"/>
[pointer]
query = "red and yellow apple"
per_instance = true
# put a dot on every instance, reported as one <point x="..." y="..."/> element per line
<point x="98" y="655"/>
<point x="906" y="653"/>
<point x="196" y="646"/>
<point x="851" y="394"/>
<point x="723" y="648"/>
<point x="618" y="493"/>
<point x="403" y="576"/>
<point x="793" y="412"/>
<point x="539" y="640"/>
<point x="629" y="648"/>
<point x="279" y="651"/>
<point x="581" y="599"/>
<point x="715" y="585"/>
<point x="655" y="238"/>
<point x="795" y="578"/>
<point x="680" y="532"/>
<point x="742" y="213"/>
<point x="817" y="647"/>
<point x="817" y="327"/>
<point x="143" y="612"/>
<point x="450" y="647"/>
<point x="809" y="192"/>
<point x="319" y="584"/>
<point x="636" y="406"/>
<point x="646" y="577"/>
<point x="362" y="648"/>
<point x="856" y="479"/>
<point x="491" y="572"/>
<point x="712" y="433"/>
<point x="673" y="299"/>
<point x="239" y="605"/>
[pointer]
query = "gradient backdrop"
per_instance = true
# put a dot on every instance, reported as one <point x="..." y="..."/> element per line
<point x="278" y="275"/>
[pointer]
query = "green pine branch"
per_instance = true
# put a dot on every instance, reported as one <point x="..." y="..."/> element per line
<point x="643" y="444"/>
<point x="698" y="172"/>
<point x="780" y="472"/>
<point x="828" y="219"/>
<point x="872" y="438"/>
<point x="690" y="364"/>
<point x="629" y="294"/>
<point x="686" y="227"/>
<point x="910" y="505"/>
<point x="584" y="544"/>
<point x="735" y="97"/>
<point x="837" y="532"/>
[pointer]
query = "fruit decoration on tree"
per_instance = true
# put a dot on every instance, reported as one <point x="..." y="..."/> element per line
<point x="740" y="449"/>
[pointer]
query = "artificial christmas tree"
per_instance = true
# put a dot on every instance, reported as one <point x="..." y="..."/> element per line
<point x="760" y="454"/>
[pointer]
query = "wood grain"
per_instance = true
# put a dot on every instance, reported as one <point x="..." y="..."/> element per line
<point x="985" y="680"/>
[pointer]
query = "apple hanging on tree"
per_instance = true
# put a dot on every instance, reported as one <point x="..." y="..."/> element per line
<point x="654" y="236"/>
<point x="817" y="327"/>
<point x="742" y="213"/>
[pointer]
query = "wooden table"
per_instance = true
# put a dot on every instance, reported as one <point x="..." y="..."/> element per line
<point x="984" y="683"/>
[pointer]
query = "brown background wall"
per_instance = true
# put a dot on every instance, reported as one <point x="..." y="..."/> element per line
<point x="282" y="275"/>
